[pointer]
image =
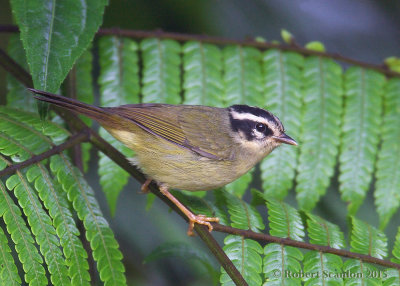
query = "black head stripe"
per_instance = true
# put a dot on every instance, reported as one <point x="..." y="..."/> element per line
<point x="257" y="112"/>
<point x="247" y="128"/>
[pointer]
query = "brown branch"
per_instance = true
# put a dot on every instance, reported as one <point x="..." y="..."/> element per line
<point x="75" y="139"/>
<point x="79" y="126"/>
<point x="140" y="34"/>
<point x="15" y="69"/>
<point x="299" y="244"/>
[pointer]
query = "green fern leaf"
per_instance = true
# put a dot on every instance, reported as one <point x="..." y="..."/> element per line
<point x="83" y="84"/>
<point x="323" y="232"/>
<point x="361" y="125"/>
<point x="24" y="243"/>
<point x="98" y="233"/>
<point x="55" y="200"/>
<point x="8" y="269"/>
<point x="119" y="84"/>
<point x="202" y="82"/>
<point x="42" y="228"/>
<point x="396" y="248"/>
<point x="357" y="272"/>
<point x="326" y="266"/>
<point x="240" y="185"/>
<point x="320" y="139"/>
<point x="280" y="262"/>
<point x="284" y="220"/>
<point x="366" y="239"/>
<point x="220" y="206"/>
<point x="161" y="71"/>
<point x="18" y="96"/>
<point x="242" y="76"/>
<point x="386" y="194"/>
<point x="282" y="88"/>
<point x="392" y="276"/>
<point x="243" y="215"/>
<point x="245" y="254"/>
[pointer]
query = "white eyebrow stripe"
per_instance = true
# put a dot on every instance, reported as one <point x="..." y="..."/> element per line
<point x="248" y="116"/>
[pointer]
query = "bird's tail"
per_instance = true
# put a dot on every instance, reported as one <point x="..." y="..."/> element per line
<point x="97" y="113"/>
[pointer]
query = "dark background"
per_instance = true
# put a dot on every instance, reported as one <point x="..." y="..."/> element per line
<point x="363" y="30"/>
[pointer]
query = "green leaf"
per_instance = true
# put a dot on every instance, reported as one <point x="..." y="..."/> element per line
<point x="18" y="96"/>
<point x="8" y="269"/>
<point x="282" y="83"/>
<point x="28" y="254"/>
<point x="54" y="35"/>
<point x="361" y="125"/>
<point x="119" y="84"/>
<point x="326" y="265"/>
<point x="245" y="254"/>
<point x="392" y="276"/>
<point x="320" y="139"/>
<point x="396" y="248"/>
<point x="202" y="82"/>
<point x="240" y="185"/>
<point x="284" y="220"/>
<point x="42" y="228"/>
<point x="161" y="71"/>
<point x="279" y="262"/>
<point x="359" y="273"/>
<point x="386" y="194"/>
<point x="98" y="233"/>
<point x="243" y="215"/>
<point x="323" y="232"/>
<point x="242" y="76"/>
<point x="368" y="240"/>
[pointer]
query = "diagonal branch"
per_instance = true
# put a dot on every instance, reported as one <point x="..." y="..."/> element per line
<point x="75" y="139"/>
<point x="79" y="126"/>
<point x="265" y="238"/>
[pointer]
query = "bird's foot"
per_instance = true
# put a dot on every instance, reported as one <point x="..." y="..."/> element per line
<point x="200" y="219"/>
<point x="145" y="187"/>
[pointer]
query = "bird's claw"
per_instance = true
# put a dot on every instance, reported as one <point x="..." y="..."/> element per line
<point x="201" y="219"/>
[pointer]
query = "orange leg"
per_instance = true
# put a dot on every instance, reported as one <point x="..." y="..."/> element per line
<point x="145" y="187"/>
<point x="200" y="219"/>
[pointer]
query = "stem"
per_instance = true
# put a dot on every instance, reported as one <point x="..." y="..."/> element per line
<point x="75" y="139"/>
<point x="300" y="244"/>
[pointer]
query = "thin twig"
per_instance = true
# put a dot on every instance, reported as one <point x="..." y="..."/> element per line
<point x="300" y="244"/>
<point x="140" y="34"/>
<point x="75" y="139"/>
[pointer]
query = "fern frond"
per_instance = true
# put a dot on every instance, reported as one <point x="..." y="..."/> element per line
<point x="396" y="248"/>
<point x="284" y="220"/>
<point x="323" y="232"/>
<point x="386" y="194"/>
<point x="202" y="82"/>
<point x="392" y="276"/>
<point x="161" y="71"/>
<point x="282" y="89"/>
<point x="361" y="125"/>
<point x="239" y="186"/>
<point x="242" y="76"/>
<point x="243" y="215"/>
<point x="321" y="132"/>
<point x="119" y="84"/>
<point x="42" y="228"/>
<point x="326" y="265"/>
<point x="280" y="260"/>
<point x="21" y="236"/>
<point x="98" y="233"/>
<point x="245" y="254"/>
<point x="55" y="200"/>
<point x="18" y="96"/>
<point x="366" y="239"/>
<point x="358" y="273"/>
<point x="8" y="269"/>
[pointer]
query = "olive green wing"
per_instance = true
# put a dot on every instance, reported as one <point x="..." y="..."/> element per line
<point x="178" y="124"/>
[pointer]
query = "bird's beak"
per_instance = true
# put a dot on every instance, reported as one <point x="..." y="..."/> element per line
<point x="285" y="139"/>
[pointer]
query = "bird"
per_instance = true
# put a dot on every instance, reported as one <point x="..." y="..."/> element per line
<point x="186" y="147"/>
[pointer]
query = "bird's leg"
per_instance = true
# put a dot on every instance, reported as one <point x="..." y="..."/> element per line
<point x="200" y="219"/>
<point x="145" y="187"/>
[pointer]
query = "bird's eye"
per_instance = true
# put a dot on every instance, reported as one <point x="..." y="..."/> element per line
<point x="261" y="127"/>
